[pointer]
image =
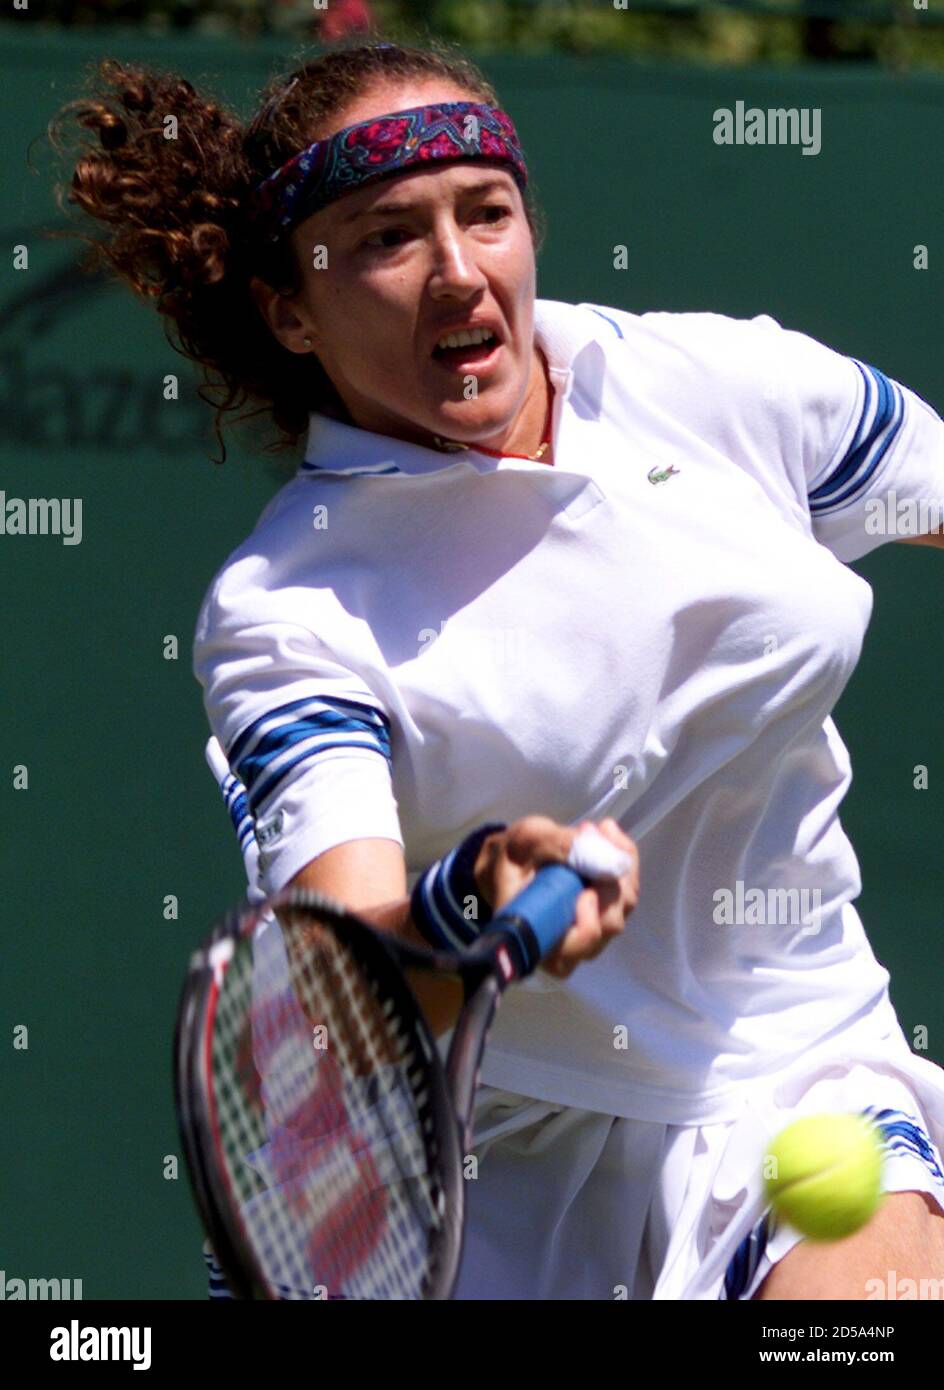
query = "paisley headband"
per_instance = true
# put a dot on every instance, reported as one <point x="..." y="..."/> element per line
<point x="378" y="148"/>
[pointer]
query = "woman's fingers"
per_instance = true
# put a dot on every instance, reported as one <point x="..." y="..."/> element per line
<point x="586" y="936"/>
<point x="508" y="860"/>
<point x="601" y="910"/>
<point x="617" y="836"/>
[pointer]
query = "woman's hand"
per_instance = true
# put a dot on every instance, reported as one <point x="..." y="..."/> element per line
<point x="509" y="859"/>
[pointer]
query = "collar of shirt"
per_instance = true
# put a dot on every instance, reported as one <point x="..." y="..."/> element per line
<point x="561" y="330"/>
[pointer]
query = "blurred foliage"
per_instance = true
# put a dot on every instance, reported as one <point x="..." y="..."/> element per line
<point x="897" y="33"/>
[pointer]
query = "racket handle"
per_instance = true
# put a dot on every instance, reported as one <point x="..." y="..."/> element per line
<point x="541" y="914"/>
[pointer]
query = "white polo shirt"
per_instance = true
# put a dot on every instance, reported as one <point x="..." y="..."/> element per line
<point x="655" y="628"/>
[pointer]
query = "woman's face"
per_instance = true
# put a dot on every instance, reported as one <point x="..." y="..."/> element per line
<point x="406" y="260"/>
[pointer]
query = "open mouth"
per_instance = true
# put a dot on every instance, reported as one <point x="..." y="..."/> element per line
<point x="469" y="349"/>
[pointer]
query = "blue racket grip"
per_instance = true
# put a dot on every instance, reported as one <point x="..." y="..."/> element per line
<point x="541" y="914"/>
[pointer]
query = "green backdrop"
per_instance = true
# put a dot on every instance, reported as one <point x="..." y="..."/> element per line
<point x="121" y="810"/>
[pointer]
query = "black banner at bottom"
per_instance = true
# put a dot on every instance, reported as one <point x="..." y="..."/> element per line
<point x="164" y="1339"/>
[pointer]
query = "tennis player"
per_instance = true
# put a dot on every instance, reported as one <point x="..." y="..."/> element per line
<point x="546" y="564"/>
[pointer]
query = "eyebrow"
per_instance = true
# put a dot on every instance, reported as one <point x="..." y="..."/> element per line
<point x="390" y="209"/>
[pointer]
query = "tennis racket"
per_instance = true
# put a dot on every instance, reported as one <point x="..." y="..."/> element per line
<point x="324" y="1137"/>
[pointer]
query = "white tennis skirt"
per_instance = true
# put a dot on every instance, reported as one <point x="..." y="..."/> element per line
<point x="573" y="1204"/>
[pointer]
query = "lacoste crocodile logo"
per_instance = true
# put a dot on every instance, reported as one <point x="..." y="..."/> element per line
<point x="659" y="475"/>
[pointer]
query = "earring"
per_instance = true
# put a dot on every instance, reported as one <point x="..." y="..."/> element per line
<point x="307" y="342"/>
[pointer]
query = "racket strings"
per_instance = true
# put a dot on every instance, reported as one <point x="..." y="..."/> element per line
<point x="325" y="1130"/>
<point x="241" y="1124"/>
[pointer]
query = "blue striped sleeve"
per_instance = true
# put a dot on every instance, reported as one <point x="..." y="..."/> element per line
<point x="877" y="428"/>
<point x="234" y="798"/>
<point x="863" y="452"/>
<point x="284" y="742"/>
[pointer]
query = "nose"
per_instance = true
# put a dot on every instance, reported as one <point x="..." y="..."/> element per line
<point x="455" y="268"/>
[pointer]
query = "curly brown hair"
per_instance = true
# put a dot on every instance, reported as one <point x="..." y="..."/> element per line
<point x="177" y="209"/>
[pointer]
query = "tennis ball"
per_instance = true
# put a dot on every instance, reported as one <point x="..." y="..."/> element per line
<point x="823" y="1174"/>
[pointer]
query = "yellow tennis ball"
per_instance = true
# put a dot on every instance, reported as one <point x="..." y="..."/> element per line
<point x="823" y="1174"/>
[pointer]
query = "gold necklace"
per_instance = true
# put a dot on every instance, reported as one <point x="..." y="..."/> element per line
<point x="453" y="446"/>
